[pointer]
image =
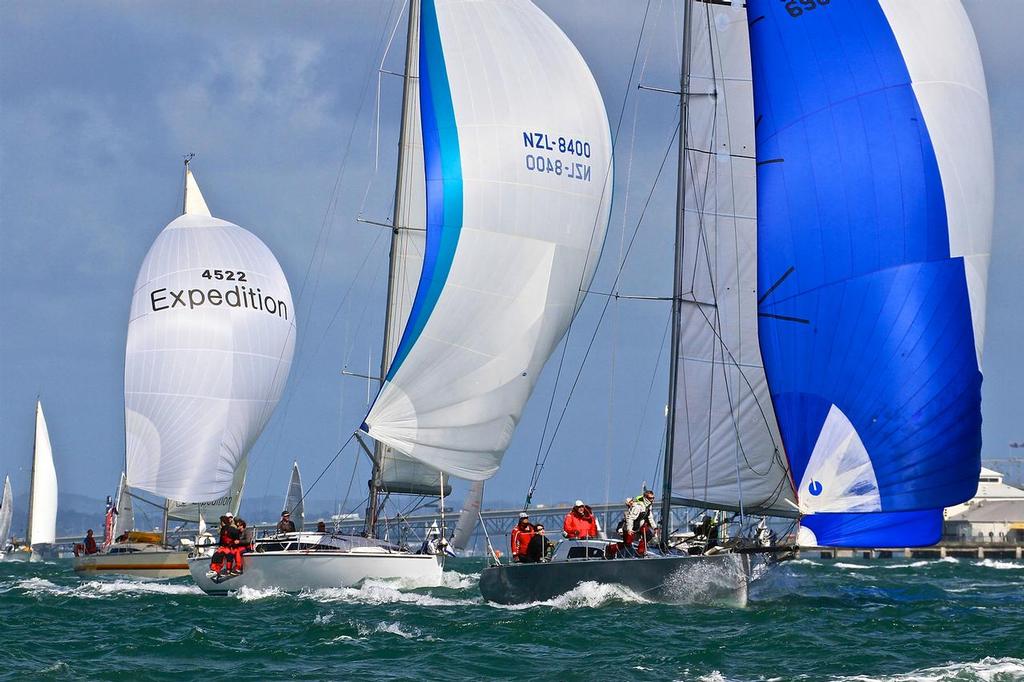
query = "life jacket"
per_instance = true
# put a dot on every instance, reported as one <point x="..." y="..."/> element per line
<point x="580" y="525"/>
<point x="521" y="539"/>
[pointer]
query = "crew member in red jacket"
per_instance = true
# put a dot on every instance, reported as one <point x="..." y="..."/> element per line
<point x="521" y="536"/>
<point x="580" y="523"/>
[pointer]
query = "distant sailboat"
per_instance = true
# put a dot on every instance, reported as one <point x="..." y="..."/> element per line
<point x="6" y="515"/>
<point x="842" y="385"/>
<point x="210" y="342"/>
<point x="42" y="500"/>
<point x="293" y="500"/>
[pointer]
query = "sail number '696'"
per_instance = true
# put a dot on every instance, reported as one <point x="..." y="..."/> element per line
<point x="798" y="7"/>
<point x="557" y="155"/>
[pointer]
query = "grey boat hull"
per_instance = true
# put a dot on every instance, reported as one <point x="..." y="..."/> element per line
<point x="707" y="579"/>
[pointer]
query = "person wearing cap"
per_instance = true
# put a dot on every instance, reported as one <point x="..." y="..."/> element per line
<point x="640" y="521"/>
<point x="580" y="523"/>
<point x="286" y="525"/>
<point x="521" y="536"/>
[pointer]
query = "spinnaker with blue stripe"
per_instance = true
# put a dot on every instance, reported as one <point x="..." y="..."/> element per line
<point x="517" y="183"/>
<point x="875" y="186"/>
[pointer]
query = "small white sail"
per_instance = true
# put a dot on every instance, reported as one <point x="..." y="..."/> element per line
<point x="6" y="513"/>
<point x="728" y="451"/>
<point x="293" y="501"/>
<point x="210" y="341"/>
<point x="42" y="517"/>
<point x="124" y="520"/>
<point x="518" y="165"/>
<point x="469" y="517"/>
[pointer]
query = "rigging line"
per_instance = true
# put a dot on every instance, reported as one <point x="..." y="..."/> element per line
<point x="327" y="221"/>
<point x="650" y="392"/>
<point x="325" y="469"/>
<point x="376" y="127"/>
<point x="539" y="466"/>
<point x="581" y="296"/>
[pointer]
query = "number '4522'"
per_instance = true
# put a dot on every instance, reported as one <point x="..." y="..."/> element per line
<point x="798" y="7"/>
<point x="229" y="275"/>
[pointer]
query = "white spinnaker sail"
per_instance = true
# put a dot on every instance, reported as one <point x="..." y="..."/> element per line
<point x="214" y="509"/>
<point x="728" y="447"/>
<point x="124" y="520"/>
<point x="210" y="343"/>
<point x="6" y="513"/>
<point x="469" y="517"/>
<point x="293" y="501"/>
<point x="42" y="516"/>
<point x="518" y="176"/>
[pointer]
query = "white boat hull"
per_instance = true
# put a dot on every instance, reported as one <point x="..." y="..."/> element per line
<point x="294" y="571"/>
<point x="159" y="564"/>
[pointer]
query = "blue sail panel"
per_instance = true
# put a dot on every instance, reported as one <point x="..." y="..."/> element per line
<point x="888" y="529"/>
<point x="443" y="171"/>
<point x="864" y="317"/>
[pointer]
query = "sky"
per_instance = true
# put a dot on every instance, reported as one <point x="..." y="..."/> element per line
<point x="295" y="131"/>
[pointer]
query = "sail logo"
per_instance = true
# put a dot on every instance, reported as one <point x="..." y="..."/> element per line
<point x="240" y="296"/>
<point x="815" y="487"/>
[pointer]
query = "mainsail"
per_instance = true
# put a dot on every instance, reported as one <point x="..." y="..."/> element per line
<point x="42" y="503"/>
<point x="6" y="513"/>
<point x="210" y="343"/>
<point x="728" y="453"/>
<point x="469" y="517"/>
<point x="293" y="499"/>
<point x="517" y="156"/>
<point x="875" y="186"/>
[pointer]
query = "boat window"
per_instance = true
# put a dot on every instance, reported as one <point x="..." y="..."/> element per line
<point x="586" y="553"/>
<point x="123" y="550"/>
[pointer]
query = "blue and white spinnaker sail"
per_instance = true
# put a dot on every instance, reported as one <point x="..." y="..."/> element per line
<point x="517" y="158"/>
<point x="875" y="186"/>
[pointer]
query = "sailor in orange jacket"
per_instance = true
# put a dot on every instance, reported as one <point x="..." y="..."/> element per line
<point x="580" y="522"/>
<point x="521" y="536"/>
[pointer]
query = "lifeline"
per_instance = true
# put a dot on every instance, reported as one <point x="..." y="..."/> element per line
<point x="239" y="297"/>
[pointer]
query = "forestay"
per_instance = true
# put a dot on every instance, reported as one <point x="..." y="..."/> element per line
<point x="875" y="186"/>
<point x="210" y="342"/>
<point x="42" y="515"/>
<point x="518" y="186"/>
<point x="728" y="453"/>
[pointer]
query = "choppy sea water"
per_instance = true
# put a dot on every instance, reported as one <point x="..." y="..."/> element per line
<point x="807" y="620"/>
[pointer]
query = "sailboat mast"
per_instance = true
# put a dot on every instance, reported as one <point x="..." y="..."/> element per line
<point x="411" y="60"/>
<point x="184" y="194"/>
<point x="677" y="280"/>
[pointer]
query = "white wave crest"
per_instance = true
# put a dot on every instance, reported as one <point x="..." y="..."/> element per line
<point x="99" y="589"/>
<point x="391" y="629"/>
<point x="247" y="594"/>
<point x="802" y="562"/>
<point x="853" y="567"/>
<point x="459" y="581"/>
<point x="988" y="669"/>
<point x="1002" y="565"/>
<point x="379" y="592"/>
<point x="586" y="595"/>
